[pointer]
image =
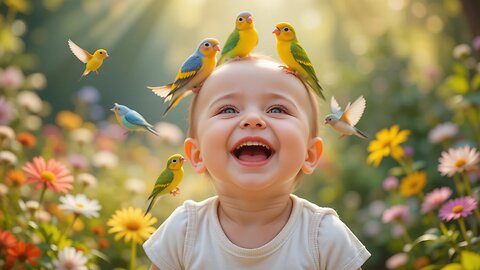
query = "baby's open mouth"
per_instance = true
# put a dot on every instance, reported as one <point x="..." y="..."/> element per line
<point x="252" y="152"/>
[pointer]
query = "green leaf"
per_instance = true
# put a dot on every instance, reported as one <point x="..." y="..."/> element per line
<point x="422" y="238"/>
<point x="470" y="260"/>
<point x="452" y="266"/>
<point x="99" y="254"/>
<point x="458" y="84"/>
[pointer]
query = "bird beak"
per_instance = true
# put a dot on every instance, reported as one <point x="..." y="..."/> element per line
<point x="106" y="54"/>
<point x="112" y="109"/>
<point x="216" y="48"/>
<point x="326" y="122"/>
<point x="182" y="159"/>
<point x="276" y="31"/>
<point x="249" y="19"/>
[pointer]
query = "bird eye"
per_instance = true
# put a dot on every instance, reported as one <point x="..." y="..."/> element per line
<point x="174" y="161"/>
<point x="240" y="19"/>
<point x="207" y="45"/>
<point x="101" y="52"/>
<point x="286" y="29"/>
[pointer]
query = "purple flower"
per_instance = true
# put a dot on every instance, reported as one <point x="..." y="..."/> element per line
<point x="5" y="112"/>
<point x="88" y="94"/>
<point x="77" y="161"/>
<point x="408" y="151"/>
<point x="396" y="213"/>
<point x="390" y="183"/>
<point x="457" y="208"/>
<point x="435" y="198"/>
<point x="476" y="43"/>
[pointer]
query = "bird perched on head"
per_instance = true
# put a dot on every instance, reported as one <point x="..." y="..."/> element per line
<point x="344" y="122"/>
<point x="131" y="119"/>
<point x="294" y="56"/>
<point x="242" y="40"/>
<point x="169" y="179"/>
<point x="191" y="75"/>
<point x="93" y="62"/>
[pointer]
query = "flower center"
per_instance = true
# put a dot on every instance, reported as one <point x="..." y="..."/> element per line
<point x="79" y="205"/>
<point x="48" y="176"/>
<point x="457" y="209"/>
<point x="69" y="264"/>
<point x="133" y="225"/>
<point x="460" y="163"/>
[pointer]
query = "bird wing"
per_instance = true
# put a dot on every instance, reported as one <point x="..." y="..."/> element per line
<point x="80" y="53"/>
<point x="336" y="109"/>
<point x="188" y="70"/>
<point x="354" y="112"/>
<point x="302" y="59"/>
<point x="135" y="118"/>
<point x="232" y="41"/>
<point x="163" y="181"/>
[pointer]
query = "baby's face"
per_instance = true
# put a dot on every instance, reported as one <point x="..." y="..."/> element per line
<point x="252" y="125"/>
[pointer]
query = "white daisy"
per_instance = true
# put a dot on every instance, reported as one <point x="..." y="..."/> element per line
<point x="70" y="259"/>
<point x="457" y="160"/>
<point x="30" y="101"/>
<point x="6" y="132"/>
<point x="87" y="179"/>
<point x="105" y="159"/>
<point x="442" y="132"/>
<point x="82" y="136"/>
<point x="79" y="205"/>
<point x="461" y="51"/>
<point x="8" y="157"/>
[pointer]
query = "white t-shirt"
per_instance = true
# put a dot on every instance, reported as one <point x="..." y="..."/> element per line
<point x="313" y="238"/>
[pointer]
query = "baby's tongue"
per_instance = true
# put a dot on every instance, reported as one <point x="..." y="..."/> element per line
<point x="252" y="153"/>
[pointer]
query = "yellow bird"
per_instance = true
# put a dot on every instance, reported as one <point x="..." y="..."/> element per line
<point x="93" y="62"/>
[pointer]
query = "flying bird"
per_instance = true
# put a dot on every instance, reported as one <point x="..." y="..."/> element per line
<point x="242" y="40"/>
<point x="294" y="56"/>
<point x="191" y="75"/>
<point x="344" y="122"/>
<point x="93" y="62"/>
<point x="131" y="120"/>
<point x="169" y="179"/>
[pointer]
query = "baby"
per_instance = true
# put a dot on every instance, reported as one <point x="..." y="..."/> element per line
<point x="253" y="130"/>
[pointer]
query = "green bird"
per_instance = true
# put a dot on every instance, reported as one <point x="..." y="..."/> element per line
<point x="295" y="57"/>
<point x="168" y="180"/>
<point x="242" y="40"/>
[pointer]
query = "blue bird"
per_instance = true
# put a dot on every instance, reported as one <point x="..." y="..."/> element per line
<point x="131" y="119"/>
<point x="191" y="75"/>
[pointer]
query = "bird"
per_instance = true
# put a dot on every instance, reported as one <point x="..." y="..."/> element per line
<point x="169" y="179"/>
<point x="93" y="62"/>
<point x="294" y="56"/>
<point x="131" y="120"/>
<point x="344" y="122"/>
<point x="191" y="75"/>
<point x="242" y="40"/>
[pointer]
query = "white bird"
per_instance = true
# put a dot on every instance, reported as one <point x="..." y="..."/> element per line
<point x="344" y="122"/>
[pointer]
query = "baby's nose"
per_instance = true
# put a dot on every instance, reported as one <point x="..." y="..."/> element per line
<point x="253" y="121"/>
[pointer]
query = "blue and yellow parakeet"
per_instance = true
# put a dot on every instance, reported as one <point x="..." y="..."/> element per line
<point x="131" y="119"/>
<point x="242" y="40"/>
<point x="191" y="75"/>
<point x="169" y="179"/>
<point x="295" y="57"/>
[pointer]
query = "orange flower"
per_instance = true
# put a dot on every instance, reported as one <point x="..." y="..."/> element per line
<point x="98" y="230"/>
<point x="103" y="243"/>
<point x="413" y="184"/>
<point x="387" y="143"/>
<point x="22" y="253"/>
<point x="26" y="139"/>
<point x="69" y="120"/>
<point x="16" y="178"/>
<point x="51" y="174"/>
<point x="7" y="240"/>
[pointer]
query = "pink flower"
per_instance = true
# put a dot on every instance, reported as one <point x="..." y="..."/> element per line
<point x="11" y="78"/>
<point x="6" y="112"/>
<point x="476" y="43"/>
<point x="458" y="160"/>
<point x="390" y="183"/>
<point x="457" y="208"/>
<point x="397" y="260"/>
<point x="435" y="198"/>
<point x="396" y="213"/>
<point x="443" y="132"/>
<point x="52" y="174"/>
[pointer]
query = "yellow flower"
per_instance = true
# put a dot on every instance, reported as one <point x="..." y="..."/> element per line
<point x="18" y="5"/>
<point x="129" y="223"/>
<point x="69" y="120"/>
<point x="387" y="143"/>
<point x="413" y="183"/>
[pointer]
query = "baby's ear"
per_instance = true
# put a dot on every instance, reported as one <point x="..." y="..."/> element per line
<point x="193" y="155"/>
<point x="314" y="152"/>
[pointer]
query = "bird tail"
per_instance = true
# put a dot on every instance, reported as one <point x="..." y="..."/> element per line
<point x="152" y="130"/>
<point x="221" y="60"/>
<point x="175" y="101"/>
<point x="315" y="85"/>
<point x="162" y="91"/>
<point x="85" y="73"/>
<point x="360" y="134"/>
<point x="150" y="205"/>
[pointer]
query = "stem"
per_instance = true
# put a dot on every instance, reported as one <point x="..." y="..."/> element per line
<point x="466" y="182"/>
<point x="443" y="228"/>
<point x="404" y="166"/>
<point x="67" y="230"/>
<point x="407" y="237"/>
<point x="133" y="255"/>
<point x="463" y="229"/>
<point x="458" y="184"/>
<point x="42" y="195"/>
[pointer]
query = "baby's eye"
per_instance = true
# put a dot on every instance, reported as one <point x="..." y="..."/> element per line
<point x="277" y="109"/>
<point x="227" y="110"/>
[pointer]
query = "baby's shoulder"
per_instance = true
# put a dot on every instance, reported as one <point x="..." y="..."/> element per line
<point x="314" y="211"/>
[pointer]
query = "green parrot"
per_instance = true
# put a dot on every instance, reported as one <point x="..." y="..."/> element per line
<point x="168" y="180"/>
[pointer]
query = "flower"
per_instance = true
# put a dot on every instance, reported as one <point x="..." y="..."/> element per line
<point x="6" y="112"/>
<point x="26" y="139"/>
<point x="18" y="5"/>
<point x="51" y="174"/>
<point x="169" y="133"/>
<point x="458" y="160"/>
<point x="442" y="132"/>
<point x="87" y="180"/>
<point x="457" y="208"/>
<point x="8" y="157"/>
<point x="78" y="162"/>
<point x="6" y="132"/>
<point x="387" y="143"/>
<point x="37" y="81"/>
<point x="131" y="224"/>
<point x="105" y="159"/>
<point x="30" y="101"/>
<point x="3" y="190"/>
<point x="98" y="230"/>
<point x="68" y="120"/>
<point x="135" y="185"/>
<point x="461" y="51"/>
<point x="82" y="136"/>
<point x="11" y="78"/>
<point x="413" y="184"/>
<point x="435" y="198"/>
<point x="476" y="43"/>
<point x="397" y="260"/>
<point x="88" y="94"/>
<point x="16" y="178"/>
<point x="23" y="253"/>
<point x="396" y="213"/>
<point x="390" y="183"/>
<point x="7" y="240"/>
<point x="79" y="205"/>
<point x="70" y="259"/>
